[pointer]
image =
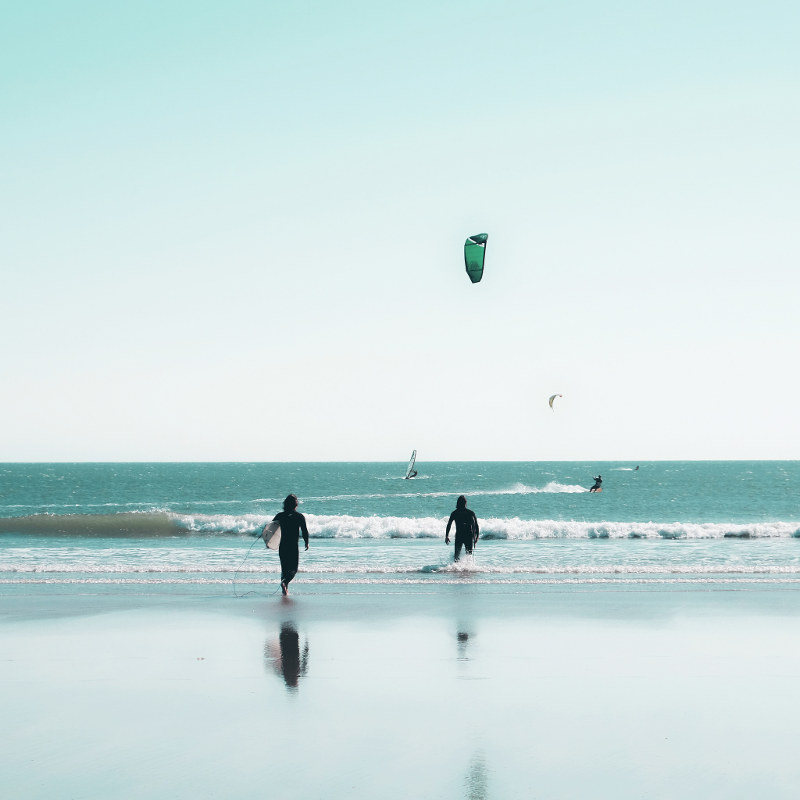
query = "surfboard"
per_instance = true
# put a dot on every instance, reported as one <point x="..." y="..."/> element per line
<point x="275" y="540"/>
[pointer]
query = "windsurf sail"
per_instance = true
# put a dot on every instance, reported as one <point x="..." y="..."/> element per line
<point x="410" y="471"/>
<point x="475" y="255"/>
<point x="553" y="397"/>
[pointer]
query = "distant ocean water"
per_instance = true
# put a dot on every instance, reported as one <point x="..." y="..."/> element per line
<point x="195" y="523"/>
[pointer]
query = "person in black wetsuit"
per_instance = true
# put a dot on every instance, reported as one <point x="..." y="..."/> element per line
<point x="293" y="525"/>
<point x="467" y="529"/>
<point x="598" y="484"/>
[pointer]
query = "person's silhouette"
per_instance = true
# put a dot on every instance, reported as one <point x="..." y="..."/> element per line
<point x="467" y="530"/>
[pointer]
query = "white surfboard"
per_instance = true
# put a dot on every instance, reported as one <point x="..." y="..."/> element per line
<point x="275" y="540"/>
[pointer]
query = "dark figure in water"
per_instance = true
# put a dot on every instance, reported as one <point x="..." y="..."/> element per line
<point x="598" y="484"/>
<point x="293" y="525"/>
<point x="412" y="474"/>
<point x="467" y="529"/>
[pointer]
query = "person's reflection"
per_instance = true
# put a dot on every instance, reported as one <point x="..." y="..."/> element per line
<point x="465" y="635"/>
<point x="284" y="656"/>
<point x="462" y="637"/>
<point x="477" y="781"/>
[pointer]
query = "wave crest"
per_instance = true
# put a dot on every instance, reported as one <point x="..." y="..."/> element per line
<point x="330" y="526"/>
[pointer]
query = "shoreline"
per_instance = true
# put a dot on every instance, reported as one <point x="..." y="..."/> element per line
<point x="28" y="600"/>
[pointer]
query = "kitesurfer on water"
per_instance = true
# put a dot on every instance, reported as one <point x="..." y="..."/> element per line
<point x="467" y="529"/>
<point x="598" y="482"/>
<point x="292" y="524"/>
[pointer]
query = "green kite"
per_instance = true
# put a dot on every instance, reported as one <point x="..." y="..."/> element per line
<point x="475" y="255"/>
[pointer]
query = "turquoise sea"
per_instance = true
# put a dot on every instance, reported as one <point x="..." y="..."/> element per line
<point x="196" y="523"/>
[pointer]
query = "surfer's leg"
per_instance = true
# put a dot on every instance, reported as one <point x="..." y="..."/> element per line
<point x="458" y="546"/>
<point x="288" y="575"/>
<point x="283" y="577"/>
<point x="288" y="569"/>
<point x="290" y="559"/>
<point x="466" y="543"/>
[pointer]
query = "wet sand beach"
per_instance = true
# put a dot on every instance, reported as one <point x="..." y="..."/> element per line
<point x="359" y="691"/>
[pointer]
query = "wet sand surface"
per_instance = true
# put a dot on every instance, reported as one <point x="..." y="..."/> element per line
<point x="453" y="692"/>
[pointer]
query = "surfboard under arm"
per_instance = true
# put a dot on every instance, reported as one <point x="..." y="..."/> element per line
<point x="274" y="541"/>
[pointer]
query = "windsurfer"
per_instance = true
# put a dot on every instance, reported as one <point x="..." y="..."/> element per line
<point x="410" y="471"/>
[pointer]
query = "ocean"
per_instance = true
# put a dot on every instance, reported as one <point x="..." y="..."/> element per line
<point x="197" y="523"/>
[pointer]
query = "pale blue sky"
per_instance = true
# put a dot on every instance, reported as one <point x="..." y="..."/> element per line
<point x="234" y="230"/>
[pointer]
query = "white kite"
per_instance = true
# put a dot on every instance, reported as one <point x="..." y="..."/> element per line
<point x="553" y="397"/>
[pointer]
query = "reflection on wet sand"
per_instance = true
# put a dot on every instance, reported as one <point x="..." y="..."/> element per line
<point x="477" y="781"/>
<point x="283" y="656"/>
<point x="462" y="637"/>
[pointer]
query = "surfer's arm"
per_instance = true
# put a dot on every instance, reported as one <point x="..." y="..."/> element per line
<point x="447" y="532"/>
<point x="304" y="530"/>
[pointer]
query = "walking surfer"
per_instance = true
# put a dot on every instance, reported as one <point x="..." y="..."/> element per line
<point x="467" y="529"/>
<point x="292" y="524"/>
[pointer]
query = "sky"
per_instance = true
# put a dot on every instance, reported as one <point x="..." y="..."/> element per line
<point x="233" y="231"/>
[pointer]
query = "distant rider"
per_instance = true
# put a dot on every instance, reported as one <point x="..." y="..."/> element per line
<point x="598" y="483"/>
<point x="467" y="529"/>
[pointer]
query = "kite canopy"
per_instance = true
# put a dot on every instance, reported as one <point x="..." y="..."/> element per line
<point x="553" y="397"/>
<point x="474" y="255"/>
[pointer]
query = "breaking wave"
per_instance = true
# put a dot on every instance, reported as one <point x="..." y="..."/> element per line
<point x="150" y="525"/>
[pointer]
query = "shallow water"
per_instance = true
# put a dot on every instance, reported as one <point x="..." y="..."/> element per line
<point x="666" y="521"/>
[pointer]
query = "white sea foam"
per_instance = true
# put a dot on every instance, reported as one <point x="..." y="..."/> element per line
<point x="466" y="566"/>
<point x="222" y="523"/>
<point x="411" y="581"/>
<point x="520" y="529"/>
<point x="347" y="527"/>
<point x="340" y="526"/>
